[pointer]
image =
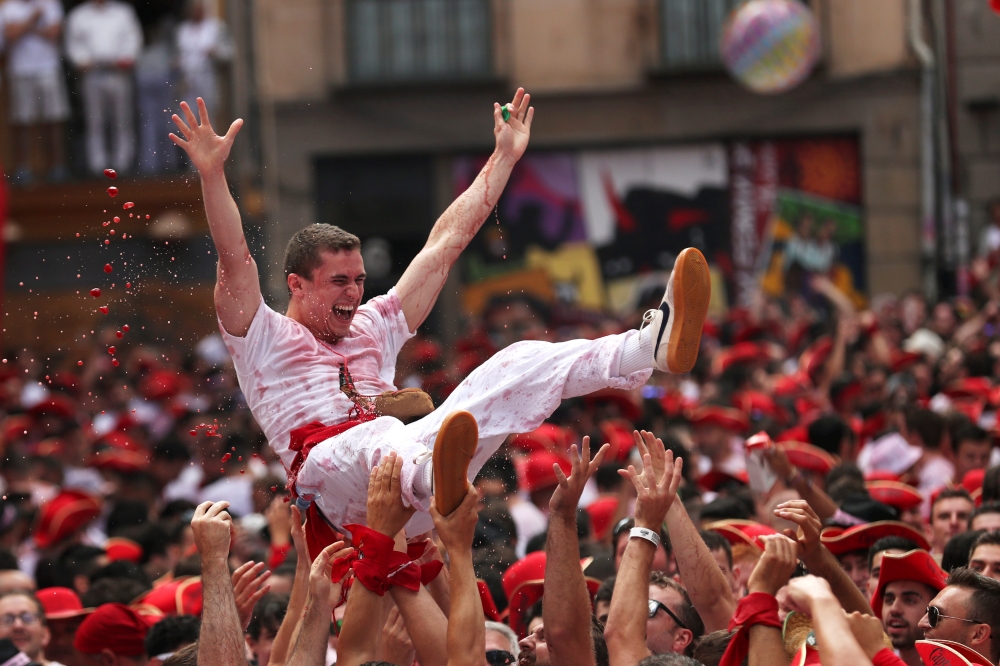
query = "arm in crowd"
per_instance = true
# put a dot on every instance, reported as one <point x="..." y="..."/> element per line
<point x="237" y="285"/>
<point x="466" y="623"/>
<point x="818" y="500"/>
<point x="818" y="559"/>
<point x="423" y="279"/>
<point x="249" y="585"/>
<point x="324" y="593"/>
<point x="397" y="647"/>
<point x="772" y="572"/>
<point x="290" y="625"/>
<point x="221" y="642"/>
<point x="440" y="587"/>
<point x="973" y="326"/>
<point x="707" y="586"/>
<point x="566" y="606"/>
<point x="837" y="644"/>
<point x="425" y="622"/>
<point x="625" y="631"/>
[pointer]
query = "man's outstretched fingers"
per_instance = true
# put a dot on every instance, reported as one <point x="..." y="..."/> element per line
<point x="189" y="115"/>
<point x="598" y="458"/>
<point x="203" y="114"/>
<point x="234" y="129"/>
<point x="181" y="125"/>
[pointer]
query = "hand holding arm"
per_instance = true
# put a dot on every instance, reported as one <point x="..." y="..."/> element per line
<point x="625" y="631"/>
<point x="776" y="565"/>
<point x="237" y="284"/>
<point x="423" y="279"/>
<point x="324" y="594"/>
<point x="566" y="606"/>
<point x="816" y="498"/>
<point x="386" y="512"/>
<point x="466" y="624"/>
<point x="221" y="641"/>
<point x="397" y="648"/>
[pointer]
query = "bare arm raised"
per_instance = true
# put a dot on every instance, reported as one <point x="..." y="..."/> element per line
<point x="237" y="284"/>
<point x="420" y="284"/>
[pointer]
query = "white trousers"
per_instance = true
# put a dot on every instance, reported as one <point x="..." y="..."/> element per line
<point x="107" y="100"/>
<point x="513" y="392"/>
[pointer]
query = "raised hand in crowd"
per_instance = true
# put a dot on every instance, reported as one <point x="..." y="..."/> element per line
<point x="397" y="648"/>
<point x="868" y="631"/>
<point x="221" y="639"/>
<point x="772" y="572"/>
<point x="387" y="514"/>
<point x="625" y="632"/>
<point x="837" y="645"/>
<point x="324" y="595"/>
<point x="466" y="623"/>
<point x="285" y="636"/>
<point x="817" y="558"/>
<point x="569" y="629"/>
<point x="249" y="585"/>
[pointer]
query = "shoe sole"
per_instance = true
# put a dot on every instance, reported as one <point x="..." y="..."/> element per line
<point x="454" y="447"/>
<point x="692" y="292"/>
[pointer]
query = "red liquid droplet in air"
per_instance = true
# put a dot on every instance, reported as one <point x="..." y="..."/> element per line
<point x="111" y="350"/>
<point x="104" y="309"/>
<point x="114" y="362"/>
<point x="226" y="457"/>
<point x="107" y="242"/>
<point x="110" y="173"/>
<point x="79" y="362"/>
<point x="116" y="219"/>
<point x="104" y="224"/>
<point x="194" y="432"/>
<point x="128" y="285"/>
<point x="119" y="334"/>
<point x="128" y="204"/>
<point x="222" y="470"/>
<point x="95" y="292"/>
<point x="107" y="268"/>
<point x="243" y="471"/>
<point x="240" y="458"/>
<point x="112" y="191"/>
<point x="995" y="6"/>
<point x="274" y="489"/>
<point x="125" y="328"/>
<point x="147" y="216"/>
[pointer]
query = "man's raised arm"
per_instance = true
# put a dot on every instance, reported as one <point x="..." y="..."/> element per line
<point x="420" y="284"/>
<point x="237" y="285"/>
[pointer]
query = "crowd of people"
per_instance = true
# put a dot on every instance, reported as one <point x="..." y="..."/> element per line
<point x="822" y="473"/>
<point x="126" y="79"/>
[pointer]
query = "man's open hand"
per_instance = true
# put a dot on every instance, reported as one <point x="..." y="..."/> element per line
<point x="457" y="529"/>
<point x="567" y="494"/>
<point x="213" y="530"/>
<point x="512" y="135"/>
<point x="207" y="150"/>
<point x="322" y="589"/>
<point x="805" y="591"/>
<point x="776" y="565"/>
<point x="807" y="535"/>
<point x="654" y="493"/>
<point x="386" y="512"/>
<point x="249" y="585"/>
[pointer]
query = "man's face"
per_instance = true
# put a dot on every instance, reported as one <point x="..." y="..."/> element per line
<point x="497" y="641"/>
<point x="534" y="650"/>
<point x="904" y="602"/>
<point x="986" y="521"/>
<point x="727" y="571"/>
<point x="953" y="601"/>
<point x="660" y="562"/>
<point x="712" y="440"/>
<point x="261" y="647"/>
<point x="601" y="610"/>
<point x="950" y="517"/>
<point x="60" y="647"/>
<point x="20" y="622"/>
<point x="877" y="569"/>
<point x="855" y="565"/>
<point x="329" y="299"/>
<point x="663" y="634"/>
<point x="970" y="455"/>
<point x="985" y="560"/>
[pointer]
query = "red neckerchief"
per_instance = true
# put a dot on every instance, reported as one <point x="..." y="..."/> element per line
<point x="377" y="566"/>
<point x="755" y="608"/>
<point x="305" y="438"/>
<point x="886" y="657"/>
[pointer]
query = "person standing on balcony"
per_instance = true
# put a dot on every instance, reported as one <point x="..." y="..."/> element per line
<point x="103" y="40"/>
<point x="38" y="102"/>
<point x="202" y="42"/>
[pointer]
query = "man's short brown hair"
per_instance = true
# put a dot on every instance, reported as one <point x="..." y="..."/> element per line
<point x="302" y="251"/>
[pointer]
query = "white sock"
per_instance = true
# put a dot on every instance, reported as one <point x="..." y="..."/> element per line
<point x="637" y="352"/>
<point x="423" y="480"/>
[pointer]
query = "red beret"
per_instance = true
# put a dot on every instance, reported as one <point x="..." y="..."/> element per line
<point x="916" y="565"/>
<point x="724" y="417"/>
<point x="120" y="548"/>
<point x="618" y="434"/>
<point x="808" y="457"/>
<point x="115" y="627"/>
<point x="58" y="404"/>
<point x="181" y="596"/>
<point x="524" y="583"/>
<point x="840" y="541"/>
<point x="60" y="603"/>
<point x="949" y="653"/>
<point x="628" y="408"/>
<point x="901" y="496"/>
<point x="748" y="532"/>
<point x="547" y="436"/>
<point x="538" y="472"/>
<point x="63" y="515"/>
<point x="602" y="512"/>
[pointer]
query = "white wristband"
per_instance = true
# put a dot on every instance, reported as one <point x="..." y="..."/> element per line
<point x="643" y="533"/>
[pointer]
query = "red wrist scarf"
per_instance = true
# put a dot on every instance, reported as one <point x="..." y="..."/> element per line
<point x="755" y="608"/>
<point x="377" y="566"/>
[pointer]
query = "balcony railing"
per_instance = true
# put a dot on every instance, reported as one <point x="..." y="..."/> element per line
<point x="395" y="41"/>
<point x="690" y="31"/>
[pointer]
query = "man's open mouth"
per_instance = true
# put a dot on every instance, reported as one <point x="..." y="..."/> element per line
<point x="897" y="623"/>
<point x="343" y="312"/>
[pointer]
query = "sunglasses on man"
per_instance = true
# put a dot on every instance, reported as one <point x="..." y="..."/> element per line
<point x="499" y="658"/>
<point x="655" y="606"/>
<point x="934" y="615"/>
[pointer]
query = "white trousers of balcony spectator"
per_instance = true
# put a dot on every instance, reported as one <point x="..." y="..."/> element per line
<point x="513" y="392"/>
<point x="202" y="83"/>
<point x="156" y="101"/>
<point x="107" y="100"/>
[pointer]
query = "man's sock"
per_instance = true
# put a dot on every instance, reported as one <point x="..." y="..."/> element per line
<point x="423" y="480"/>
<point x="637" y="352"/>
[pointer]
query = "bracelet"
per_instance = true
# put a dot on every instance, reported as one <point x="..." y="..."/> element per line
<point x="643" y="533"/>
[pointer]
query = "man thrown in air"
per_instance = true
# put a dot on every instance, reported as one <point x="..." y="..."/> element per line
<point x="319" y="378"/>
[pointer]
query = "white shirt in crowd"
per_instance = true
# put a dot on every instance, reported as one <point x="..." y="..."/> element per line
<point x="32" y="53"/>
<point x="199" y="43"/>
<point x="102" y="33"/>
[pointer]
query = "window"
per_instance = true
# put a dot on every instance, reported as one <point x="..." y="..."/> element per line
<point x="418" y="40"/>
<point x="690" y="31"/>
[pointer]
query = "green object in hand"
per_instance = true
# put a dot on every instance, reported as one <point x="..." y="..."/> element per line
<point x="505" y="111"/>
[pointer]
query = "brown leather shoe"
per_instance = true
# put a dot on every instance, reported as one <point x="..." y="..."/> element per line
<point x="407" y="404"/>
<point x="453" y="450"/>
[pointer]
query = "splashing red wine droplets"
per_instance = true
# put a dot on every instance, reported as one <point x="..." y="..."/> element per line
<point x="111" y="350"/>
<point x="226" y="457"/>
<point x="128" y="204"/>
<point x="107" y="268"/>
<point x="112" y="191"/>
<point x="104" y="309"/>
<point x="95" y="292"/>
